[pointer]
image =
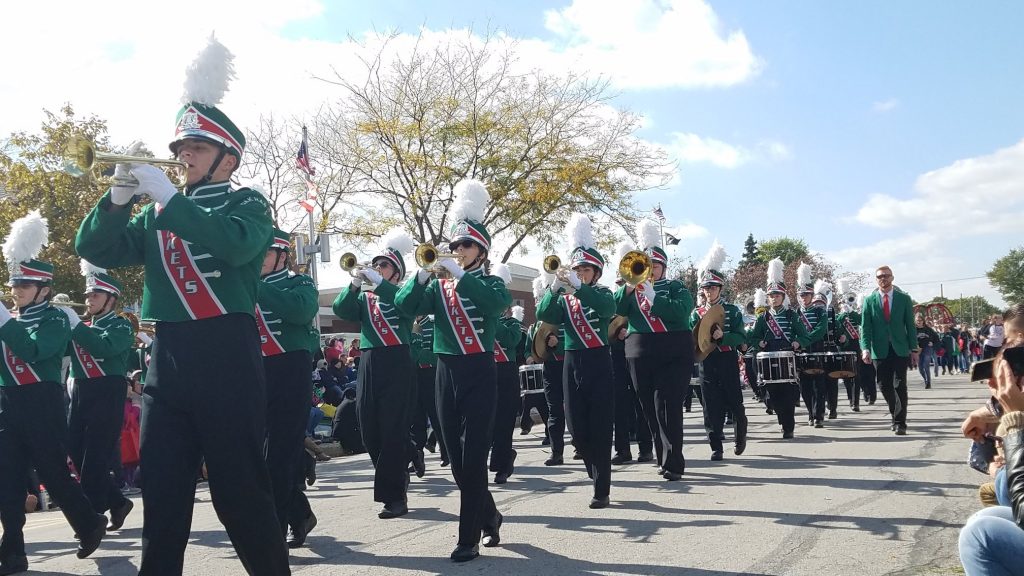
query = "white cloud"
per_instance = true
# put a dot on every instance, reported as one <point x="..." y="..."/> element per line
<point x="653" y="43"/>
<point x="775" y="150"/>
<point x="689" y="148"/>
<point x="884" y="106"/>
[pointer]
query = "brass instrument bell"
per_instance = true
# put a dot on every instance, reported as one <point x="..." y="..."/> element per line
<point x="635" y="267"/>
<point x="80" y="157"/>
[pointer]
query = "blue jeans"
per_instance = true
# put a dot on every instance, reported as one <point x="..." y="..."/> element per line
<point x="927" y="353"/>
<point x="315" y="416"/>
<point x="1002" y="488"/>
<point x="964" y="363"/>
<point x="991" y="543"/>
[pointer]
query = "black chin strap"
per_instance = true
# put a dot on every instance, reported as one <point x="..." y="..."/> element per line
<point x="213" y="167"/>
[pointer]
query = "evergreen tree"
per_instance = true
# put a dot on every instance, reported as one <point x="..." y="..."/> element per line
<point x="751" y="254"/>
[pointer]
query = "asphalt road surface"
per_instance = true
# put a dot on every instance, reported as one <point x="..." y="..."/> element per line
<point x="851" y="498"/>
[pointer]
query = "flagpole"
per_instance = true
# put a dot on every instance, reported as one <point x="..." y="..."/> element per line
<point x="311" y="267"/>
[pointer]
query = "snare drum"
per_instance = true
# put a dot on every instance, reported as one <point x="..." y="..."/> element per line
<point x="776" y="367"/>
<point x="531" y="378"/>
<point x="810" y="363"/>
<point x="840" y="364"/>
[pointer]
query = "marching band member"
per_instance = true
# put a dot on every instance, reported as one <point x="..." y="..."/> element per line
<point x="286" y="305"/>
<point x="659" y="350"/>
<point x="422" y="347"/>
<point x="384" y="385"/>
<point x="99" y="359"/>
<point x="587" y="371"/>
<point x="815" y="323"/>
<point x="848" y="328"/>
<point x="202" y="252"/>
<point x="720" y="387"/>
<point x="629" y="413"/>
<point x="554" y="390"/>
<point x="33" y="427"/>
<point x="823" y="301"/>
<point x="866" y="371"/>
<point x="507" y="336"/>
<point x="538" y="401"/>
<point x="779" y="328"/>
<point x="467" y="306"/>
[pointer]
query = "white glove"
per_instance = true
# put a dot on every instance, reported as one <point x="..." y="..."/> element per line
<point x="556" y="285"/>
<point x="144" y="338"/>
<point x="154" y="183"/>
<point x="371" y="276"/>
<point x="452" y="267"/>
<point x="5" y="315"/>
<point x="647" y="289"/>
<point x="573" y="278"/>
<point x="71" y="314"/>
<point x="357" y="282"/>
<point x="121" y="195"/>
<point x="423" y="276"/>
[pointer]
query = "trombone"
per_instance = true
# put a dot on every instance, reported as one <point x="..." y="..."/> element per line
<point x="635" y="268"/>
<point x="428" y="256"/>
<point x="81" y="156"/>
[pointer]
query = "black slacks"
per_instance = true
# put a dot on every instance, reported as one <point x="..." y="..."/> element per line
<point x="589" y="408"/>
<point x="554" y="393"/>
<point x="508" y="402"/>
<point x="384" y="399"/>
<point x="661" y="383"/>
<point x="33" y="434"/>
<point x="892" y="379"/>
<point x="94" y="433"/>
<point x="722" y="393"/>
<point x="866" y="374"/>
<point x="199" y="369"/>
<point x="812" y="388"/>
<point x="629" y="414"/>
<point x="426" y="403"/>
<point x="289" y="389"/>
<point x="466" y="398"/>
<point x="784" y="397"/>
<point x="540" y="402"/>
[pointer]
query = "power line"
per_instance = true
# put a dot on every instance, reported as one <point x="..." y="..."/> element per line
<point x="941" y="281"/>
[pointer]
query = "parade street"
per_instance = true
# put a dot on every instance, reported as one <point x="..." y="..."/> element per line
<point x="851" y="498"/>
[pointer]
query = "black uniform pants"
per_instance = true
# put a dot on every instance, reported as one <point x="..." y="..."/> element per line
<point x="33" y="434"/>
<point x="831" y="392"/>
<point x="531" y="401"/>
<point x="289" y="388"/>
<point x="299" y="510"/>
<point x="629" y="414"/>
<point x="94" y="433"/>
<point x="661" y="382"/>
<point x="502" y="454"/>
<point x="866" y="379"/>
<point x="384" y="399"/>
<point x="589" y="400"/>
<point x="812" y="388"/>
<point x="198" y="370"/>
<point x="466" y="398"/>
<point x="892" y="379"/>
<point x="784" y="398"/>
<point x="426" y="380"/>
<point x="554" y="393"/>
<point x="722" y="394"/>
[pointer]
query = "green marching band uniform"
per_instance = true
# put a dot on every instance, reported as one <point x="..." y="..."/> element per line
<point x="99" y="357"/>
<point x="814" y="319"/>
<point x="507" y="337"/>
<point x="425" y="360"/>
<point x="720" y="386"/>
<point x="587" y="372"/>
<point x="384" y="388"/>
<point x="286" y="307"/>
<point x="466" y="308"/>
<point x="848" y="340"/>
<point x="538" y="400"/>
<point x="202" y="251"/>
<point x="33" y="425"/>
<point x="780" y="330"/>
<point x="659" y="351"/>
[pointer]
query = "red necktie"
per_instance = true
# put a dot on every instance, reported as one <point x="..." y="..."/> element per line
<point x="885" y="307"/>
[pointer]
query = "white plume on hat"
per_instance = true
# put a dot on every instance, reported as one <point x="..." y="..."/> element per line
<point x="713" y="260"/>
<point x="88" y="268"/>
<point x="823" y="287"/>
<point x="860" y="299"/>
<point x="803" y="274"/>
<point x="843" y="286"/>
<point x="776" y="271"/>
<point x="397" y="240"/>
<point x="518" y="313"/>
<point x="540" y="283"/>
<point x="580" y="231"/>
<point x="207" y="78"/>
<point x="501" y="270"/>
<point x="26" y="239"/>
<point x="623" y="248"/>
<point x="648" y="234"/>
<point x="760" y="298"/>
<point x="470" y="201"/>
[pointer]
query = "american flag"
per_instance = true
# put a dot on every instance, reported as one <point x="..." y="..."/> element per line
<point x="310" y="201"/>
<point x="659" y="213"/>
<point x="302" y="158"/>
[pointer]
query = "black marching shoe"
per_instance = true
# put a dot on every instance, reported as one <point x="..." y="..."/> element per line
<point x="901" y="430"/>
<point x="576" y="455"/>
<point x="554" y="461"/>
<point x="645" y="457"/>
<point x="832" y="414"/>
<point x="787" y="434"/>
<point x="13" y="565"/>
<point x="465" y="552"/>
<point x="418" y="464"/>
<point x="621" y="458"/>
<point x="501" y="477"/>
<point x="88" y="543"/>
<point x="492" y="537"/>
<point x="819" y="423"/>
<point x="672" y="476"/>
<point x="393" y="510"/>
<point x="596" y="502"/>
<point x="716" y="456"/>
<point x="299" y="536"/>
<point x="546" y="441"/>
<point x="117" y="516"/>
<point x="855" y="408"/>
<point x="741" y="445"/>
<point x="444" y="463"/>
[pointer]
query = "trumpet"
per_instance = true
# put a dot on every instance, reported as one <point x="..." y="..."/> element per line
<point x="635" y="267"/>
<point x="349" y="263"/>
<point x="553" y="265"/>
<point x="80" y="157"/>
<point x="64" y="300"/>
<point x="428" y="256"/>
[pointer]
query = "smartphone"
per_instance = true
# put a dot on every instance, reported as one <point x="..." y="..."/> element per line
<point x="981" y="371"/>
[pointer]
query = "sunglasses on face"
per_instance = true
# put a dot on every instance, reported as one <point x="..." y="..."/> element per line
<point x="881" y="276"/>
<point x="465" y="244"/>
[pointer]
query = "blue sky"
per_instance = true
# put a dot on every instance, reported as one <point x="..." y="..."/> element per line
<point x="878" y="131"/>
